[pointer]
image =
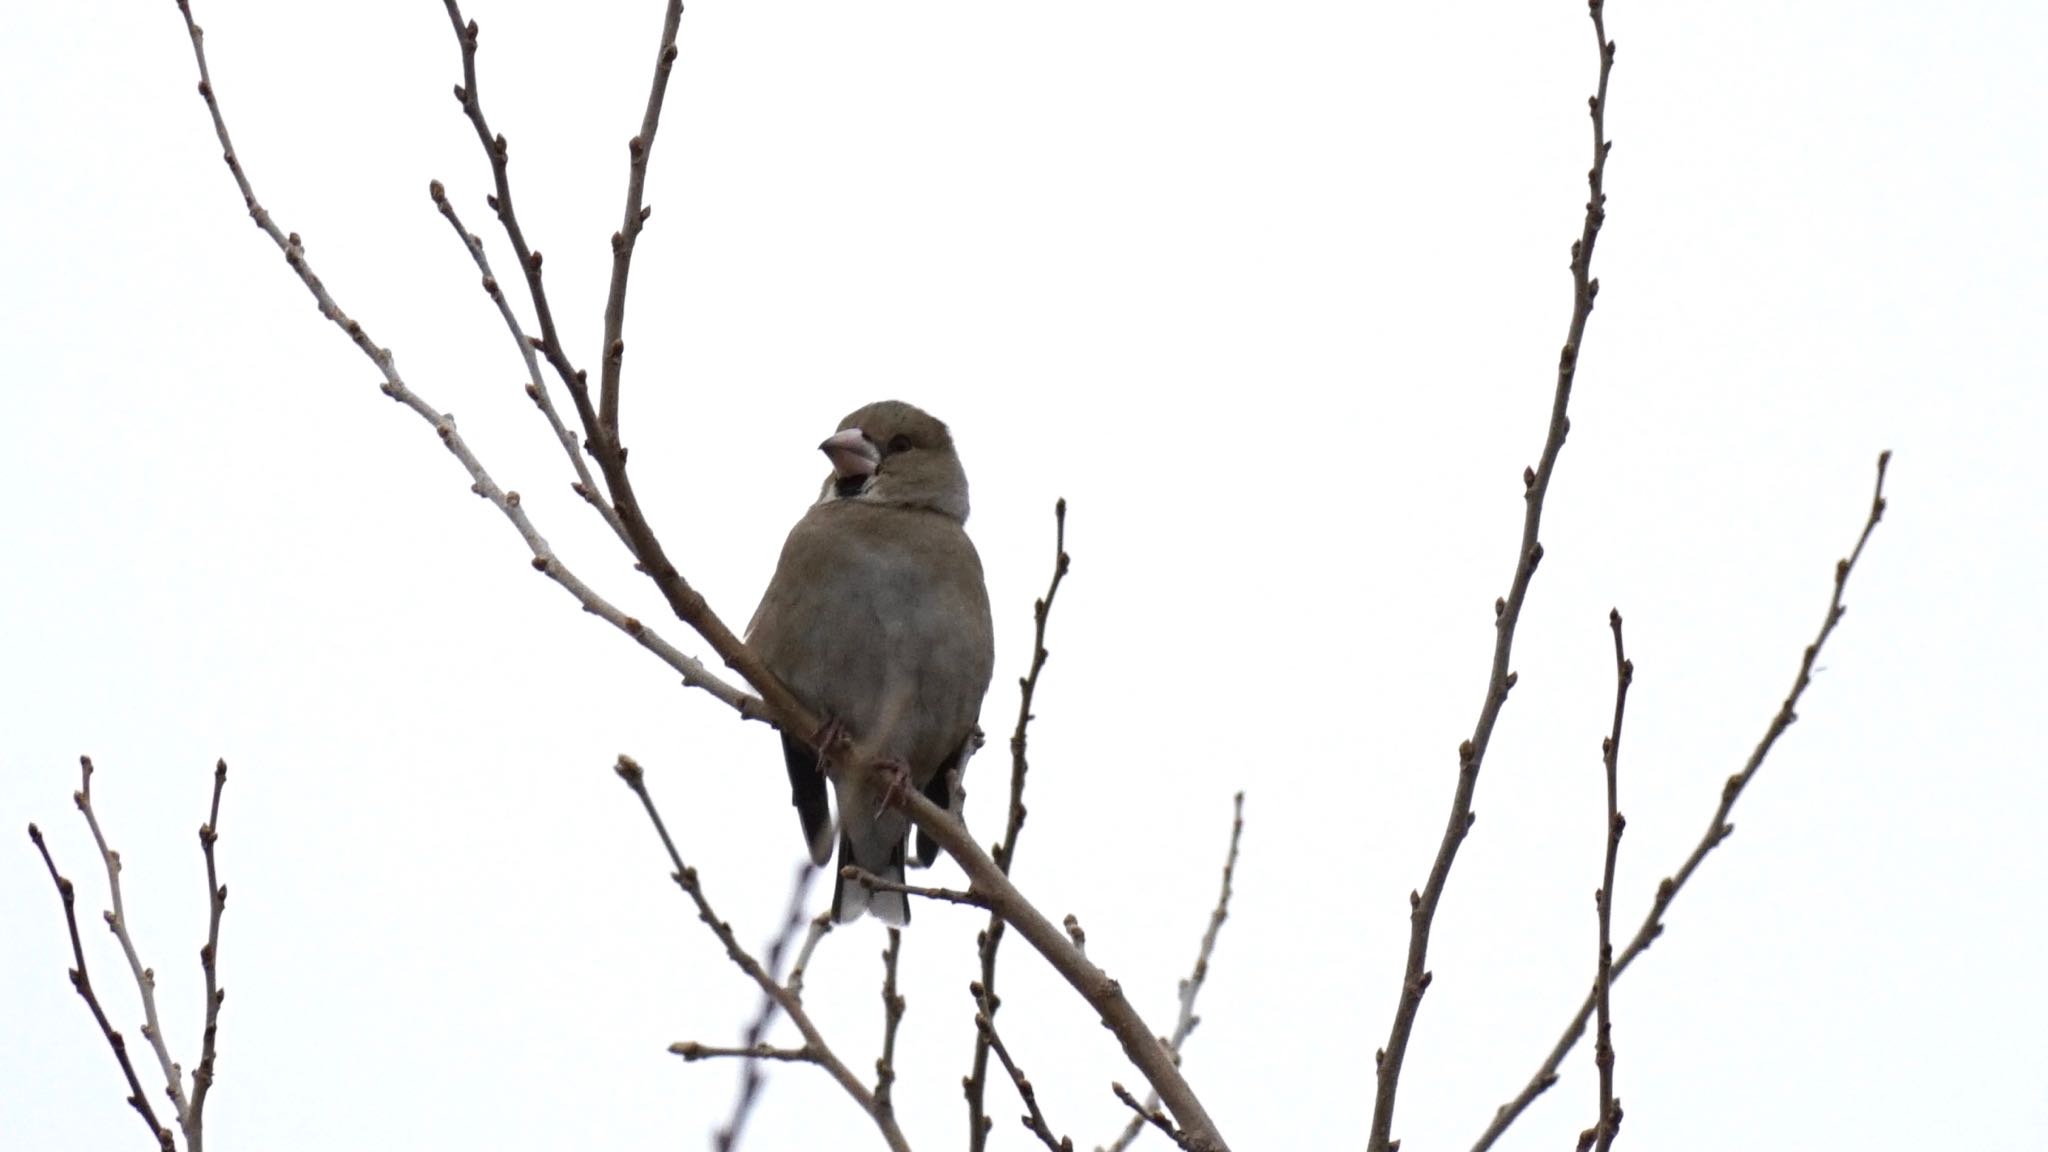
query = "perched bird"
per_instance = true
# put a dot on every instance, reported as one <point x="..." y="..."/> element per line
<point x="877" y="617"/>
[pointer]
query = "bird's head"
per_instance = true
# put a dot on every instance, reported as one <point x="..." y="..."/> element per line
<point x="896" y="454"/>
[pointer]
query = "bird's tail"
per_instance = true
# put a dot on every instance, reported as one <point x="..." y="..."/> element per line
<point x="850" y="898"/>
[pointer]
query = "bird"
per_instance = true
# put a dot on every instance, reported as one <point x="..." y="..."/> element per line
<point x="877" y="617"/>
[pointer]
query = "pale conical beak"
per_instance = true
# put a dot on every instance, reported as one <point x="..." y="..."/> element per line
<point x="851" y="454"/>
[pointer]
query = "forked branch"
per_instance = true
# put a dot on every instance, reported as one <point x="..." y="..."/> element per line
<point x="1718" y="829"/>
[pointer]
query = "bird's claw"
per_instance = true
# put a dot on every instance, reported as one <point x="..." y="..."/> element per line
<point x="827" y="739"/>
<point x="895" y="774"/>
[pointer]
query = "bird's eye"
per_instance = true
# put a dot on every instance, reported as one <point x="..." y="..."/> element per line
<point x="899" y="443"/>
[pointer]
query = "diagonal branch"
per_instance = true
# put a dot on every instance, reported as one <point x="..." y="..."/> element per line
<point x="536" y="384"/>
<point x="693" y="671"/>
<point x="1191" y="987"/>
<point x="1507" y="614"/>
<point x="496" y="147"/>
<point x="117" y="922"/>
<point x="1140" y="1044"/>
<point x="753" y="1076"/>
<point x="81" y="980"/>
<point x="1718" y="829"/>
<point x="776" y="704"/>
<point x="815" y="1050"/>
<point x="1033" y="1118"/>
<point x="991" y="937"/>
<point x="1152" y="1116"/>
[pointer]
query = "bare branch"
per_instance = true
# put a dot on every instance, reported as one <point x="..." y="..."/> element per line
<point x="544" y="559"/>
<point x="752" y="1075"/>
<point x="892" y="1018"/>
<point x="117" y="923"/>
<point x="638" y="149"/>
<point x="821" y="924"/>
<point x="499" y="152"/>
<point x="874" y="883"/>
<point x="1507" y="614"/>
<point x="819" y="1052"/>
<point x="776" y="702"/>
<point x="536" y="384"/>
<point x="1601" y="1134"/>
<point x="209" y="962"/>
<point x="81" y="980"/>
<point x="1191" y="987"/>
<point x="693" y="1051"/>
<point x="1033" y="1119"/>
<point x="1141" y="1045"/>
<point x="991" y="937"/>
<point x="1718" y="829"/>
<point x="1152" y="1116"/>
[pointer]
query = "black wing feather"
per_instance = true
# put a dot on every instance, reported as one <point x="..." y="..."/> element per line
<point x="807" y="792"/>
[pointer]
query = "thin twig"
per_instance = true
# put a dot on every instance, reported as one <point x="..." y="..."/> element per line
<point x="1718" y="829"/>
<point x="1191" y="987"/>
<point x="991" y="938"/>
<point x="693" y="1051"/>
<point x="638" y="150"/>
<point x="1033" y="1119"/>
<point x="1507" y="614"/>
<point x="693" y="671"/>
<point x="874" y="883"/>
<point x="1152" y="1116"/>
<point x="892" y="1018"/>
<point x="81" y="980"/>
<point x="818" y="1052"/>
<point x="1601" y="1134"/>
<point x="821" y="925"/>
<point x="1141" y="1045"/>
<point x="117" y="923"/>
<point x="209" y="962"/>
<point x="776" y="702"/>
<point x="536" y="382"/>
<point x="496" y="147"/>
<point x="753" y="1076"/>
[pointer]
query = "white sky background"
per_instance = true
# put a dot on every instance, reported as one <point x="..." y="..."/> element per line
<point x="1273" y="296"/>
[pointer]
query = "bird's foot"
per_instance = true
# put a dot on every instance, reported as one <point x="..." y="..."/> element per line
<point x="827" y="740"/>
<point x="895" y="777"/>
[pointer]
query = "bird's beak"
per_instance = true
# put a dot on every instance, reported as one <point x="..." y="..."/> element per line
<point x="851" y="455"/>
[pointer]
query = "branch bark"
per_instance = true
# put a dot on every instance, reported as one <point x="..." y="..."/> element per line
<point x="1718" y="829"/>
<point x="1507" y="614"/>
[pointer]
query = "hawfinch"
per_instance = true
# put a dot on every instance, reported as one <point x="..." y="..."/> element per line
<point x="877" y="618"/>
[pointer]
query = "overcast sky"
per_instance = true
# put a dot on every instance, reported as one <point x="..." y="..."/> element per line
<point x="1273" y="295"/>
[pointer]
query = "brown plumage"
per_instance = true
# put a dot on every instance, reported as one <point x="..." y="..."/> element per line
<point x="877" y="618"/>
